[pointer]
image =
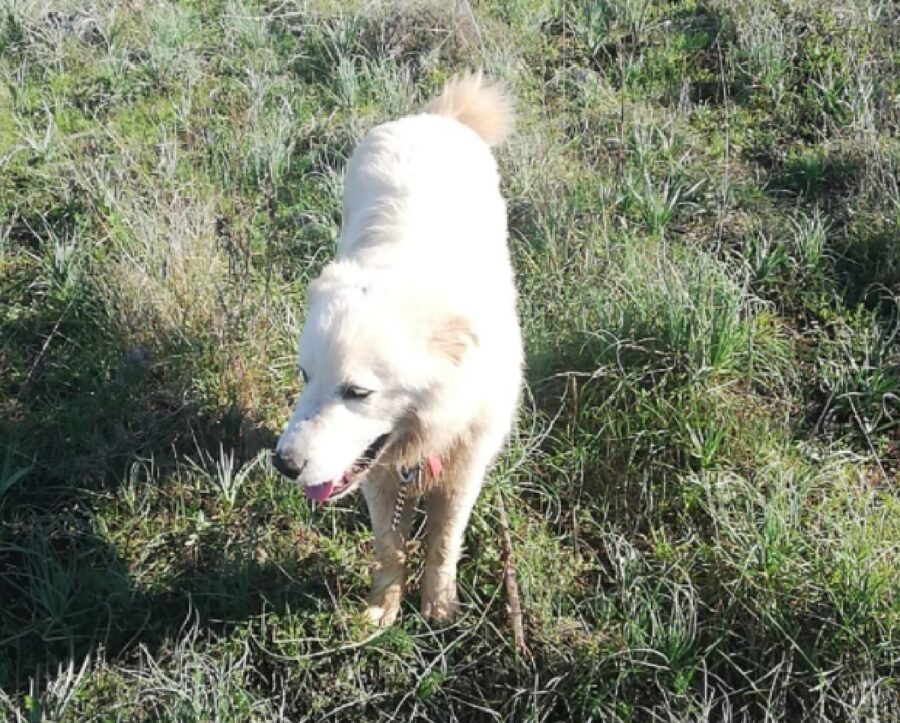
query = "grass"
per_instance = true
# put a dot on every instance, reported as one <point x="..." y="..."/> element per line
<point x="703" y="483"/>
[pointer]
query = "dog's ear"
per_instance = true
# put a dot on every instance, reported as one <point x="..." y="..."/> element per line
<point x="451" y="337"/>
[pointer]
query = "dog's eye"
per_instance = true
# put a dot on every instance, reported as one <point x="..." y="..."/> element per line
<point x="351" y="392"/>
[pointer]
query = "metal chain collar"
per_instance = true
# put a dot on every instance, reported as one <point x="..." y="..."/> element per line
<point x="407" y="476"/>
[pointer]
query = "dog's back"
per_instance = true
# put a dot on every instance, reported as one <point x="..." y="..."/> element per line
<point x="425" y="190"/>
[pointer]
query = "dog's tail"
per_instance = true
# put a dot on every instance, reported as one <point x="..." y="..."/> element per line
<point x="486" y="107"/>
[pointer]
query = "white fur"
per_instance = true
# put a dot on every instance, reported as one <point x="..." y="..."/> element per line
<point x="420" y="308"/>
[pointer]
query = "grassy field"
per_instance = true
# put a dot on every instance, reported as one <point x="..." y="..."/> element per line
<point x="703" y="484"/>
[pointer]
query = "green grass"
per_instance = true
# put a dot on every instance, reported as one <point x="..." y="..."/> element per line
<point x="703" y="483"/>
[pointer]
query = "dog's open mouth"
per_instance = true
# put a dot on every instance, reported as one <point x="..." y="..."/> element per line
<point x="351" y="477"/>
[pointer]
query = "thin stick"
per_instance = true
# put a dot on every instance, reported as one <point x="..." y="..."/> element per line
<point x="47" y="341"/>
<point x="512" y="587"/>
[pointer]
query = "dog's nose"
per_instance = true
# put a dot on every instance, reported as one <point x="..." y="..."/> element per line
<point x="285" y="465"/>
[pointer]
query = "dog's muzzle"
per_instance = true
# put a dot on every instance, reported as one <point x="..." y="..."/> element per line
<point x="324" y="491"/>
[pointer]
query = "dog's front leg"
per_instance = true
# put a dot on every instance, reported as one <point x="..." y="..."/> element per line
<point x="449" y="507"/>
<point x="389" y="578"/>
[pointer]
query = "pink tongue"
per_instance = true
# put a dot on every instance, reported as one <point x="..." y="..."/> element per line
<point x="319" y="493"/>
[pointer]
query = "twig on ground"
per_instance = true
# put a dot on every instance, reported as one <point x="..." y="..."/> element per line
<point x="512" y="587"/>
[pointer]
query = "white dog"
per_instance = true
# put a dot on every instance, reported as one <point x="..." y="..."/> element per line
<point x="411" y="352"/>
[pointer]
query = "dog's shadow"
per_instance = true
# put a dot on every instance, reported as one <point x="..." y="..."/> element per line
<point x="73" y="596"/>
<point x="69" y="587"/>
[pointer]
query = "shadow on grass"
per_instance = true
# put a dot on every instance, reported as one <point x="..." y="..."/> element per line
<point x="68" y="591"/>
<point x="82" y="407"/>
<point x="817" y="175"/>
<point x="68" y="594"/>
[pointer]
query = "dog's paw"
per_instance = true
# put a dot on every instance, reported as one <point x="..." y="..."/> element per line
<point x="441" y="606"/>
<point x="381" y="616"/>
<point x="384" y="605"/>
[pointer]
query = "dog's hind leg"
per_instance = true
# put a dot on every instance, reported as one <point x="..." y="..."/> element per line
<point x="389" y="578"/>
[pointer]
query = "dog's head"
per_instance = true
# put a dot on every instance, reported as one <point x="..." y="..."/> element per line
<point x="374" y="355"/>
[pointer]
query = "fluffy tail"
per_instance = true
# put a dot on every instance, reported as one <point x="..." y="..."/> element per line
<point x="486" y="107"/>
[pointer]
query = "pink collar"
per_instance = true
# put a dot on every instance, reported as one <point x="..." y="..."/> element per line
<point x="435" y="466"/>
